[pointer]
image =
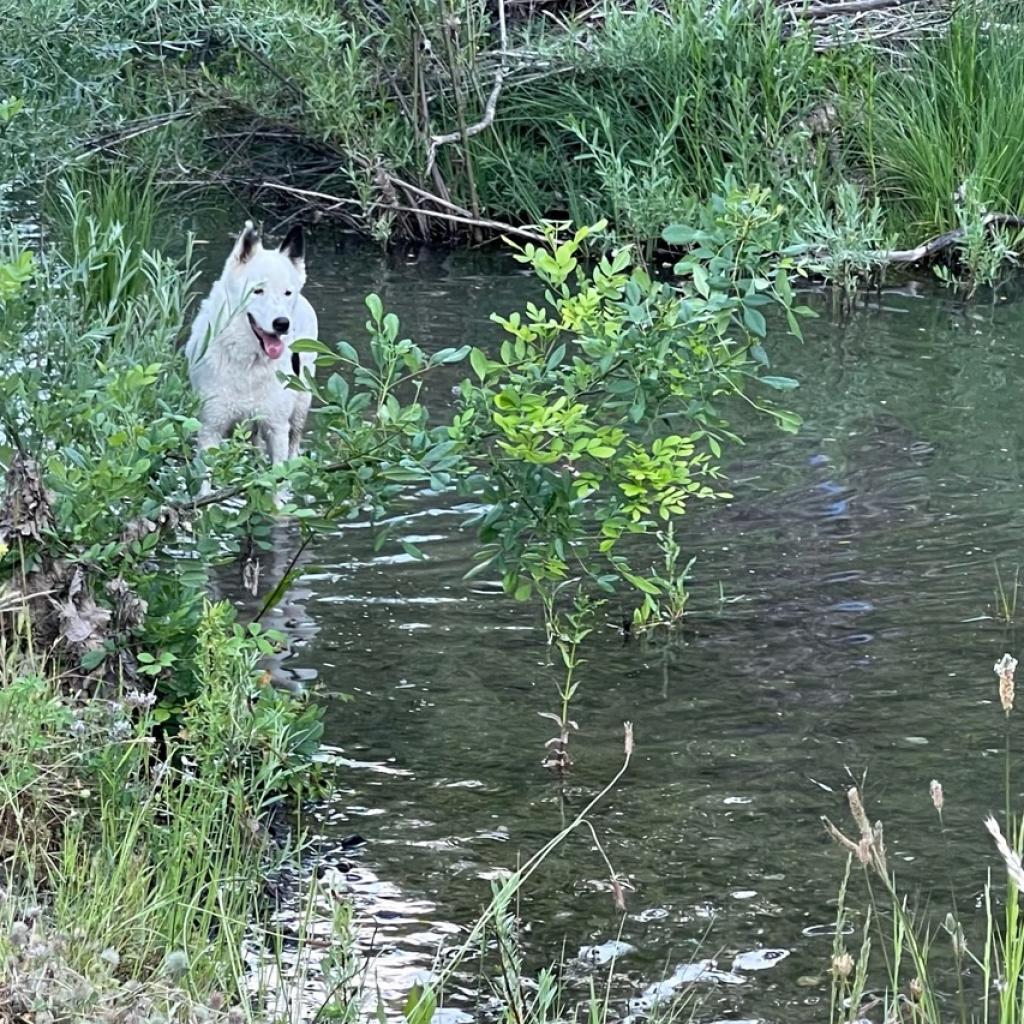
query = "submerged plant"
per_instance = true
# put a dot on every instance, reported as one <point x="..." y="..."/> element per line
<point x="568" y="630"/>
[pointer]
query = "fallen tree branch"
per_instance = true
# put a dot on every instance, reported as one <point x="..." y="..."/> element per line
<point x="480" y="222"/>
<point x="826" y="10"/>
<point x="490" y="109"/>
<point x="940" y="242"/>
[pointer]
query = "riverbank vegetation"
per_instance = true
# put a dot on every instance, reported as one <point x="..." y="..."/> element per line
<point x="150" y="772"/>
<point x="445" y="119"/>
<point x="598" y="420"/>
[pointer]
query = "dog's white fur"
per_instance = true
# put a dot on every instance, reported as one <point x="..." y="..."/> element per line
<point x="240" y="348"/>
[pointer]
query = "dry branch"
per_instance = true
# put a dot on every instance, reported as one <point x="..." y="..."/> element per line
<point x="935" y="245"/>
<point x="469" y="221"/>
<point x="490" y="109"/>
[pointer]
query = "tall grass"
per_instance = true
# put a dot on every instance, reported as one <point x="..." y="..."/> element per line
<point x="934" y="963"/>
<point x="132" y="873"/>
<point x="656" y="105"/>
<point x="948" y="117"/>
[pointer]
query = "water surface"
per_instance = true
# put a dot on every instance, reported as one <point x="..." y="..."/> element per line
<point x="857" y="566"/>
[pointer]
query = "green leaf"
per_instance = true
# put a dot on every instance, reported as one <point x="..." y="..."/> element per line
<point x="780" y="383"/>
<point x="346" y="351"/>
<point x="450" y="355"/>
<point x="375" y="306"/>
<point x="555" y="359"/>
<point x="640" y="583"/>
<point x="790" y="422"/>
<point x="420" y="1006"/>
<point x="412" y="551"/>
<point x="755" y="322"/>
<point x="91" y="659"/>
<point x="782" y="286"/>
<point x="480" y="363"/>
<point x="308" y="345"/>
<point x="680" y="234"/>
<point x="700" y="280"/>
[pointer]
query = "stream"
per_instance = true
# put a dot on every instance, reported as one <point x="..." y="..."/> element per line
<point x="844" y="621"/>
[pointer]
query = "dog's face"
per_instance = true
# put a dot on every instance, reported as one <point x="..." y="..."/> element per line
<point x="265" y="284"/>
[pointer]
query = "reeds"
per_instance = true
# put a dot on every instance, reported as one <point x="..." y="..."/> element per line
<point x="949" y="113"/>
<point x="987" y="975"/>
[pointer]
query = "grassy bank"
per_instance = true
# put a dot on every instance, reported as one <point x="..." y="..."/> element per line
<point x="451" y="119"/>
<point x="134" y="868"/>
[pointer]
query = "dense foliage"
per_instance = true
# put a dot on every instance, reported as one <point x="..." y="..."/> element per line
<point x="600" y="417"/>
<point x="439" y="117"/>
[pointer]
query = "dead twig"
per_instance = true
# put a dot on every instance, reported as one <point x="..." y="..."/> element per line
<point x="468" y="220"/>
<point x="828" y="10"/>
<point x="490" y="109"/>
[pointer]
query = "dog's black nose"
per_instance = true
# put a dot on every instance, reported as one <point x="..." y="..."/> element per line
<point x="281" y="325"/>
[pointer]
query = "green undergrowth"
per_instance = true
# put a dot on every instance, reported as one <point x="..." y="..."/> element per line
<point x="635" y="113"/>
<point x="133" y="860"/>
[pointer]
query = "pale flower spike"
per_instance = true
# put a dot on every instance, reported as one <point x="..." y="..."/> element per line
<point x="1011" y="858"/>
<point x="1005" y="668"/>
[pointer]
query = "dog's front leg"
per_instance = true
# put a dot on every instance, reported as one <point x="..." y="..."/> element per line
<point x="208" y="438"/>
<point x="277" y="448"/>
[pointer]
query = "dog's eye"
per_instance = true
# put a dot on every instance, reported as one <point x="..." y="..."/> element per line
<point x="287" y="293"/>
<point x="257" y="291"/>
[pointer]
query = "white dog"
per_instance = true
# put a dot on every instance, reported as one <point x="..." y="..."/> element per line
<point x="239" y="352"/>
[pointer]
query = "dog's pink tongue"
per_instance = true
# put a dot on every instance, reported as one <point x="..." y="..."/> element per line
<point x="273" y="346"/>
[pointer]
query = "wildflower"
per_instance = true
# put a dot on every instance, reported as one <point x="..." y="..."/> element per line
<point x="134" y="699"/>
<point x="842" y="965"/>
<point x="1004" y="668"/>
<point x="111" y="957"/>
<point x="176" y="963"/>
<point x="859" y="814"/>
<point x="936" y="791"/>
<point x="120" y="730"/>
<point x="916" y="989"/>
<point x="1010" y="857"/>
<point x="870" y="849"/>
<point x="77" y="729"/>
<point x="216" y="1000"/>
<point x="956" y="935"/>
<point x="236" y="1015"/>
<point x="81" y="992"/>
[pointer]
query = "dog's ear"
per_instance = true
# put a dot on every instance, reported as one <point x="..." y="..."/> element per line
<point x="294" y="245"/>
<point x="248" y="242"/>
